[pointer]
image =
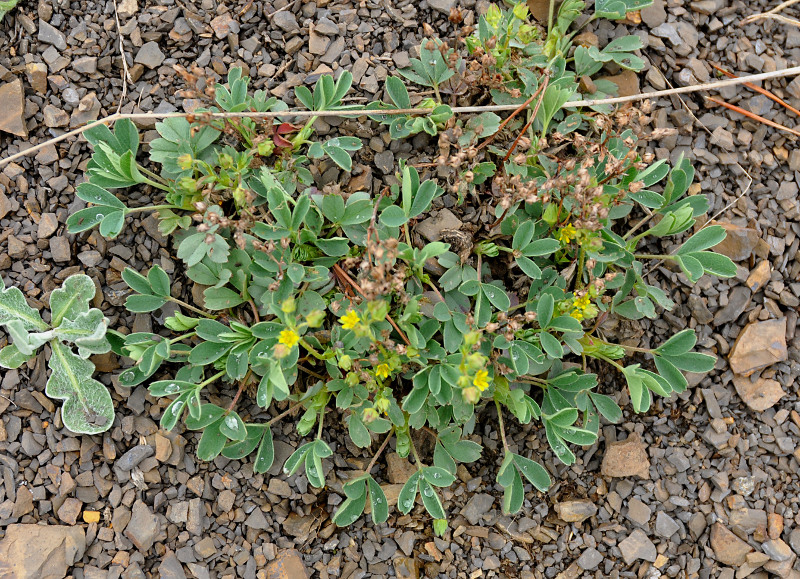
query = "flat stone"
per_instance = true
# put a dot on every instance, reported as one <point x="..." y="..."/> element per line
<point x="758" y="395"/>
<point x="37" y="76"/>
<point x="626" y="458"/>
<point x="170" y="567"/>
<point x="728" y="548"/>
<point x="590" y="559"/>
<point x="326" y="26"/>
<point x="298" y="526"/>
<point x="627" y="82"/>
<point x="738" y="300"/>
<point x="40" y="551"/>
<point x="655" y="14"/>
<point x="286" y="21"/>
<point x="384" y="161"/>
<point x="575" y="511"/>
<point x="70" y="510"/>
<point x="55" y="117"/>
<point x="443" y="6"/>
<point x="223" y="25"/>
<point x="279" y="487"/>
<point x="85" y="65"/>
<point x="257" y="520"/>
<point x="205" y="548"/>
<point x="317" y="43"/>
<point x="163" y="448"/>
<point x="398" y="469"/>
<point x="477" y="506"/>
<point x="16" y="247"/>
<point x="48" y="224"/>
<point x="287" y="565"/>
<point x="638" y="546"/>
<point x="407" y="568"/>
<point x="60" y="248"/>
<point x="12" y="113"/>
<point x="134" y="456"/>
<point x="777" y="550"/>
<point x="143" y="528"/>
<point x="51" y="35"/>
<point x="432" y="227"/>
<point x="759" y="344"/>
<point x="739" y="243"/>
<point x="638" y="512"/>
<point x="150" y="55"/>
<point x="665" y="525"/>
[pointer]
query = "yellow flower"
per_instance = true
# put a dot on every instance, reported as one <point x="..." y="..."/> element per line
<point x="349" y="320"/>
<point x="567" y="233"/>
<point x="382" y="405"/>
<point x="577" y="314"/>
<point x="481" y="381"/>
<point x="382" y="371"/>
<point x="583" y="302"/>
<point x="288" y="338"/>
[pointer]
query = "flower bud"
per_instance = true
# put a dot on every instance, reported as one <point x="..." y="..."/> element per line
<point x="471" y="395"/>
<point x="315" y="318"/>
<point x="289" y="306"/>
<point x="280" y="351"/>
<point x="345" y="362"/>
<point x="369" y="415"/>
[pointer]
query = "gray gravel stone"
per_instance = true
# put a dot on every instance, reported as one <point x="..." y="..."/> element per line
<point x="384" y="161"/>
<point x="777" y="550"/>
<point x="638" y="546"/>
<point x="59" y="247"/>
<point x="286" y="21"/>
<point x="476" y="507"/>
<point x="443" y="6"/>
<point x="666" y="525"/>
<point x="150" y="55"/>
<point x="590" y="559"/>
<point x="143" y="527"/>
<point x="51" y="35"/>
<point x="638" y="512"/>
<point x="134" y="456"/>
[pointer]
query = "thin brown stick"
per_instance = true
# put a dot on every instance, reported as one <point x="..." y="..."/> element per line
<point x="753" y="116"/>
<point x="126" y="75"/>
<point x="759" y="89"/>
<point x="355" y="285"/>
<point x="523" y="106"/>
<point x="773" y="14"/>
<point x="417" y="111"/>
<point x="380" y="451"/>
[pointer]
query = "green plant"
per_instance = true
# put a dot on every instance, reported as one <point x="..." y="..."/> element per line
<point x="88" y="408"/>
<point x="7" y="6"/>
<point x="320" y="303"/>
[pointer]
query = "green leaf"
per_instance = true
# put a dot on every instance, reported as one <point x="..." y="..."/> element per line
<point x="239" y="450"/>
<point x="715" y="263"/>
<point x="529" y="267"/>
<point x="233" y="427"/>
<point x="693" y="362"/>
<point x="607" y="407"/>
<point x="396" y="90"/>
<point x="678" y="344"/>
<point x="296" y="459"/>
<point x="87" y="331"/>
<point x="91" y="193"/>
<point x="551" y="345"/>
<point x="209" y="413"/>
<point x="408" y="494"/>
<point x="112" y="224"/>
<point x="377" y="501"/>
<point x="514" y="494"/>
<point x="340" y="157"/>
<point x="690" y="266"/>
<point x="497" y="296"/>
<point x="540" y="247"/>
<point x="671" y="374"/>
<point x="465" y="451"/>
<point x="72" y="298"/>
<point x="438" y="476"/>
<point x="159" y="281"/>
<point x="352" y="508"/>
<point x="136" y="281"/>
<point x="358" y="432"/>
<point x="704" y="239"/>
<point x="544" y="310"/>
<point x="212" y="441"/>
<point x="221" y="298"/>
<point x="266" y="453"/>
<point x="12" y="358"/>
<point x="87" y="408"/>
<point x="430" y="499"/>
<point x="142" y="303"/>
<point x="14" y="307"/>
<point x="393" y="216"/>
<point x="533" y="471"/>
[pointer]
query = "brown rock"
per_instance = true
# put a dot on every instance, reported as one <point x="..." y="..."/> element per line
<point x="398" y="469"/>
<point x="739" y="243"/>
<point x="626" y="458"/>
<point x="224" y="25"/>
<point x="627" y="81"/>
<point x="55" y="117"/>
<point x="758" y="395"/>
<point x="298" y="526"/>
<point x="163" y="448"/>
<point x="287" y="565"/>
<point x="759" y="277"/>
<point x="12" y="119"/>
<point x="759" y="345"/>
<point x="40" y="551"/>
<point x="539" y="9"/>
<point x="774" y="525"/>
<point x="406" y="568"/>
<point x="69" y="511"/>
<point x="48" y="224"/>
<point x="37" y="76"/>
<point x="728" y="548"/>
<point x="575" y="511"/>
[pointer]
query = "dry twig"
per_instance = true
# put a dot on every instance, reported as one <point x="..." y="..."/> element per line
<point x="415" y="111"/>
<point x="773" y="15"/>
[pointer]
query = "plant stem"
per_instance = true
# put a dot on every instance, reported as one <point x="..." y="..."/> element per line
<point x="500" y="421"/>
<point x="550" y="14"/>
<point x="284" y="413"/>
<point x="629" y="348"/>
<point x="151" y="208"/>
<point x="321" y="422"/>
<point x="380" y="451"/>
<point x="191" y="307"/>
<point x="414" y="450"/>
<point x="311" y="350"/>
<point x="652" y="256"/>
<point x="212" y="379"/>
<point x="239" y="391"/>
<point x="181" y="338"/>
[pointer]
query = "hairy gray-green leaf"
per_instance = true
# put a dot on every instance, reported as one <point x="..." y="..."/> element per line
<point x="72" y="298"/>
<point x="88" y="408"/>
<point x="11" y="357"/>
<point x="87" y="331"/>
<point x="14" y="307"/>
